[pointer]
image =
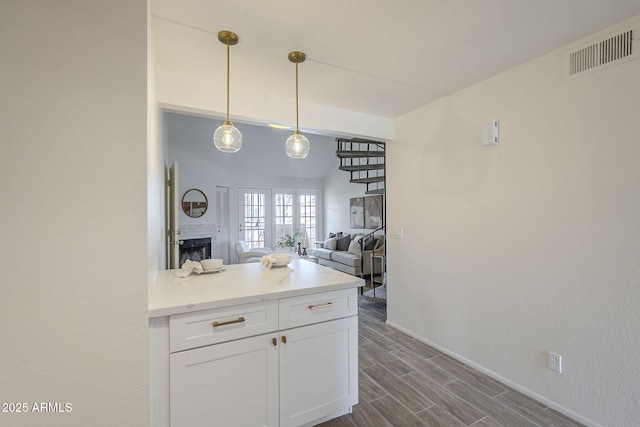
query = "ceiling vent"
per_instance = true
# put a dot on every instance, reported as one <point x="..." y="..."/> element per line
<point x="596" y="55"/>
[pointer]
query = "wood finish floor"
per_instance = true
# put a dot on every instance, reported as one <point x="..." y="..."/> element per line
<point x="404" y="382"/>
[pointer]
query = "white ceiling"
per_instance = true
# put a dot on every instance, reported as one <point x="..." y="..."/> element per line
<point x="379" y="57"/>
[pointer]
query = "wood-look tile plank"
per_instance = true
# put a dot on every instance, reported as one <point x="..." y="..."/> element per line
<point x="443" y="398"/>
<point x="533" y="410"/>
<point x="489" y="406"/>
<point x="368" y="389"/>
<point x="470" y="376"/>
<point x="374" y="310"/>
<point x="414" y="345"/>
<point x="343" y="421"/>
<point x="365" y="357"/>
<point x="399" y="389"/>
<point x="564" y="417"/>
<point x="388" y="360"/>
<point x="365" y="415"/>
<point x="438" y="417"/>
<point x="375" y="324"/>
<point x="396" y="413"/>
<point x="377" y="338"/>
<point x="487" y="422"/>
<point x="421" y="365"/>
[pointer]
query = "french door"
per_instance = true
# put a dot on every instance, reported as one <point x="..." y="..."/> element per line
<point x="266" y="216"/>
<point x="255" y="222"/>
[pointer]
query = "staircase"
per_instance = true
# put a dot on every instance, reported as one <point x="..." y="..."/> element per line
<point x="365" y="161"/>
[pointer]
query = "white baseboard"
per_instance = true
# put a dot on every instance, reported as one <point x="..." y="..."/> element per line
<point x="553" y="405"/>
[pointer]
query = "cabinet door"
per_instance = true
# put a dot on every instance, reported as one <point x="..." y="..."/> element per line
<point x="318" y="371"/>
<point x="229" y="384"/>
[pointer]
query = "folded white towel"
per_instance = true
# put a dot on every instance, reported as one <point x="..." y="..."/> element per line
<point x="190" y="267"/>
<point x="267" y="261"/>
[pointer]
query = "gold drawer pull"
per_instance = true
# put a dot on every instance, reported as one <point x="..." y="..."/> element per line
<point x="228" y="322"/>
<point x="315" y="307"/>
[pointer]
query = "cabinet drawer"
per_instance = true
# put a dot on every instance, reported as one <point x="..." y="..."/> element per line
<point x="314" y="308"/>
<point x="191" y="330"/>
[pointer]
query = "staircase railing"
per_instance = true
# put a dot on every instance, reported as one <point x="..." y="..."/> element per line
<point x="361" y="242"/>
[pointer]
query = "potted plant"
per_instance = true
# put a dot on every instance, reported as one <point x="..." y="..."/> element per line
<point x="288" y="241"/>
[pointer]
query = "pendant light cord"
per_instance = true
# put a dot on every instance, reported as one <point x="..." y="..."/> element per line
<point x="227" y="81"/>
<point x="297" y="130"/>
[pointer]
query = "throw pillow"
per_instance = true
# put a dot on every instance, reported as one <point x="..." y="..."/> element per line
<point x="370" y="244"/>
<point x="354" y="247"/>
<point x="342" y="243"/>
<point x="330" y="243"/>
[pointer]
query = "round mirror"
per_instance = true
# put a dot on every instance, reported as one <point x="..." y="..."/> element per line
<point x="194" y="203"/>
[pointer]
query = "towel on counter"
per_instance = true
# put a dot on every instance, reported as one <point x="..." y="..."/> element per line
<point x="190" y="267"/>
<point x="267" y="261"/>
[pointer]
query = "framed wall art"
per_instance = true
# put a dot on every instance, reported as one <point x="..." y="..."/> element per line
<point x="356" y="212"/>
<point x="373" y="212"/>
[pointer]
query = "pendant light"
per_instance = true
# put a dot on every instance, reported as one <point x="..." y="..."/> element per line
<point x="297" y="145"/>
<point x="227" y="138"/>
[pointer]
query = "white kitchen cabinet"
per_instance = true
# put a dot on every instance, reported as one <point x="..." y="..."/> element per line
<point x="302" y="372"/>
<point x="228" y="384"/>
<point x="318" y="371"/>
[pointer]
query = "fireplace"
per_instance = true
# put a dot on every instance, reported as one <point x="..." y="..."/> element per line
<point x="195" y="249"/>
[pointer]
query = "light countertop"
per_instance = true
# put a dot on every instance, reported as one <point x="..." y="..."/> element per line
<point x="241" y="284"/>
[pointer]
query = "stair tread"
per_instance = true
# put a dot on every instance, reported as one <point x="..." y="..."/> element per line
<point x="346" y="154"/>
<point x="367" y="180"/>
<point x="361" y="167"/>
<point x="376" y="191"/>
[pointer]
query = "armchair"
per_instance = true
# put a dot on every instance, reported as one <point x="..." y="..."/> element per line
<point x="247" y="254"/>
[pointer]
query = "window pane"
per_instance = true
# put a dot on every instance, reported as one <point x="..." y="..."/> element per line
<point x="284" y="215"/>
<point x="254" y="219"/>
<point x="307" y="205"/>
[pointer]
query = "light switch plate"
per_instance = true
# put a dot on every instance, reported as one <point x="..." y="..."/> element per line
<point x="491" y="133"/>
<point x="398" y="232"/>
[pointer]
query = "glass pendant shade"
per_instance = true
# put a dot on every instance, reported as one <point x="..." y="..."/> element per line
<point x="297" y="146"/>
<point x="227" y="138"/>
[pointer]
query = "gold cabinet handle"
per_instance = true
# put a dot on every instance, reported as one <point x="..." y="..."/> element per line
<point x="274" y="341"/>
<point x="284" y="339"/>
<point x="315" y="307"/>
<point x="228" y="322"/>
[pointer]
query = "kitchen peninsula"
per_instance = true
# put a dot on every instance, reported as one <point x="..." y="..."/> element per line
<point x="247" y="346"/>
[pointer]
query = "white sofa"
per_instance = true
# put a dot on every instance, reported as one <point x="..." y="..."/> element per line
<point x="348" y="260"/>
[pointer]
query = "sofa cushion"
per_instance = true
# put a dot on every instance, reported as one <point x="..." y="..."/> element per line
<point x="322" y="252"/>
<point x="370" y="244"/>
<point x="354" y="247"/>
<point x="330" y="243"/>
<point x="344" y="257"/>
<point x="342" y="243"/>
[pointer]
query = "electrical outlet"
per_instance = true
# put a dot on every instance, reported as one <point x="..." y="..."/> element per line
<point x="555" y="362"/>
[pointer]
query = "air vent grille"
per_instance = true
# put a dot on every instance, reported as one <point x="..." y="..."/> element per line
<point x="605" y="52"/>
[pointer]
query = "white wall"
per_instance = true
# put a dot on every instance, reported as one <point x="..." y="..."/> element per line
<point x="529" y="246"/>
<point x="73" y="310"/>
<point x="337" y="194"/>
<point x="156" y="175"/>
